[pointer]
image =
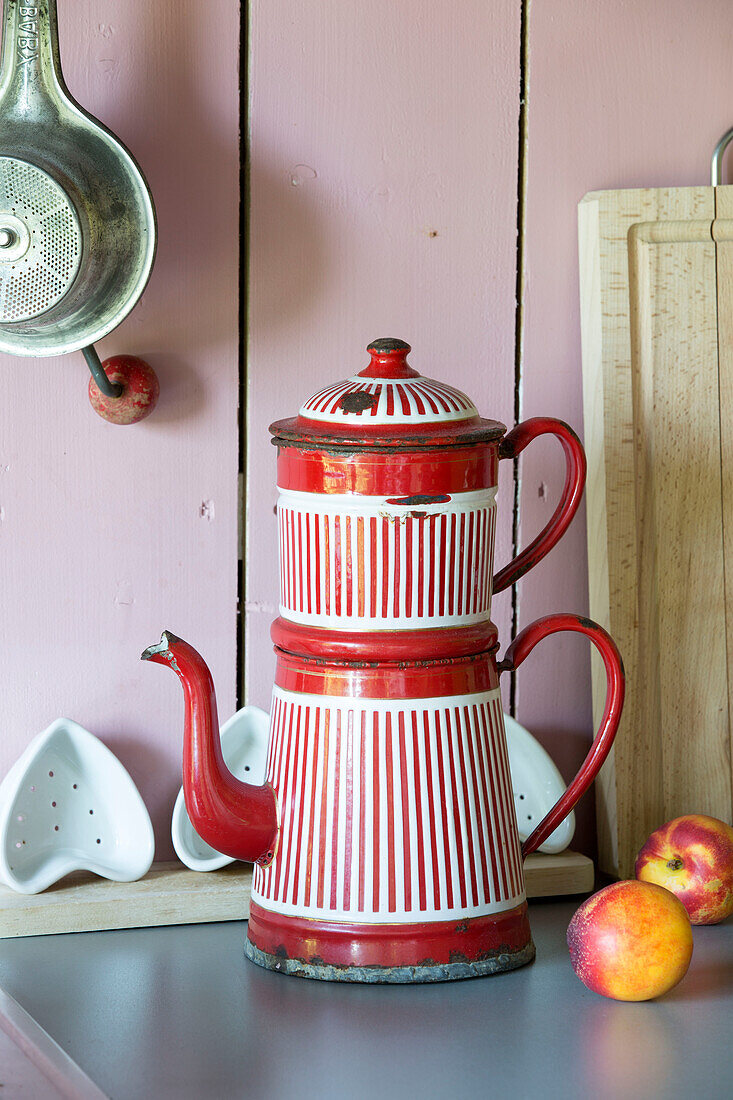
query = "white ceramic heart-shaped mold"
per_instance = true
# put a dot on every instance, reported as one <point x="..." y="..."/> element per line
<point x="67" y="805"/>
<point x="537" y="785"/>
<point x="244" y="748"/>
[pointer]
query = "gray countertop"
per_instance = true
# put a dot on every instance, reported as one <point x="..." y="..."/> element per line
<point x="178" y="1012"/>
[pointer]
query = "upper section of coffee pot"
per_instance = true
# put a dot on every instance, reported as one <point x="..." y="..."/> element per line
<point x="387" y="402"/>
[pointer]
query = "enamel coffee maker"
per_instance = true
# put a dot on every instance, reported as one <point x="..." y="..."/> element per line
<point x="384" y="837"/>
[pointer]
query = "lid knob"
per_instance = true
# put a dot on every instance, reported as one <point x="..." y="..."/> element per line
<point x="389" y="360"/>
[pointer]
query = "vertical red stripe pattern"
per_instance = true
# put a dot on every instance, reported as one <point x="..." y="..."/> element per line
<point x="391" y="810"/>
<point x="376" y="567"/>
<point x="409" y="400"/>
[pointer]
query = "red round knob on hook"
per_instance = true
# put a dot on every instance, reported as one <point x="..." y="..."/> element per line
<point x="140" y="390"/>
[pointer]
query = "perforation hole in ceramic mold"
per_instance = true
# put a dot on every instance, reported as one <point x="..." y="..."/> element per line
<point x="34" y="822"/>
<point x="69" y="804"/>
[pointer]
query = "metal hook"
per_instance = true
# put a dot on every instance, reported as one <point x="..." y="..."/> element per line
<point x="109" y="389"/>
<point x="716" y="164"/>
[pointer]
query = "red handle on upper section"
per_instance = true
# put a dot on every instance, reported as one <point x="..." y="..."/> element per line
<point x="520" y="648"/>
<point x="512" y="445"/>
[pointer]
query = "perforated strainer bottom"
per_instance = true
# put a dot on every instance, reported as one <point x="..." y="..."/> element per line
<point x="40" y="241"/>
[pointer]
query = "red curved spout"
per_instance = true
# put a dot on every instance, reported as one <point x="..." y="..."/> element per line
<point x="237" y="819"/>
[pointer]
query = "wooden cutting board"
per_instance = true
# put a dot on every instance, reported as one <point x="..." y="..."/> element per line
<point x="656" y="282"/>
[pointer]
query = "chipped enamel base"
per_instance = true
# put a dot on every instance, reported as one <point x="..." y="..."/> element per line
<point x="393" y="975"/>
<point x="244" y="748"/>
<point x="67" y="805"/>
<point x="537" y="785"/>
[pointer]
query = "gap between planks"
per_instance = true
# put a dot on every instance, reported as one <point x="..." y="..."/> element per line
<point x="170" y="894"/>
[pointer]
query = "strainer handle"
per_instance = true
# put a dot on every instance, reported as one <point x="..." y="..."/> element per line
<point x="109" y="389"/>
<point x="94" y="362"/>
<point x="30" y="76"/>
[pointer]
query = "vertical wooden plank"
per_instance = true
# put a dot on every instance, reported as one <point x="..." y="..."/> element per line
<point x="594" y="312"/>
<point x="109" y="534"/>
<point x="621" y="95"/>
<point x="383" y="179"/>
<point x="650" y="364"/>
<point x="605" y="220"/>
<point x="723" y="236"/>
<point x="681" y="731"/>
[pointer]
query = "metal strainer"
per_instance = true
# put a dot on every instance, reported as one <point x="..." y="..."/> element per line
<point x="77" y="224"/>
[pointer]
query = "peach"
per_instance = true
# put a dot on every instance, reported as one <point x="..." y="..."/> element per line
<point x="631" y="941"/>
<point x="693" y="857"/>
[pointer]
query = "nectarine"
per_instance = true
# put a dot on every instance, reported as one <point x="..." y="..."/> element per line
<point x="631" y="941"/>
<point x="693" y="857"/>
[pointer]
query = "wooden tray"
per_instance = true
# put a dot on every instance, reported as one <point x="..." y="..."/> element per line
<point x="170" y="894"/>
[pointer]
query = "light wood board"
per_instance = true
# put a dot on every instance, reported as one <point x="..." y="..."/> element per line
<point x="555" y="875"/>
<point x="657" y="432"/>
<point x="170" y="894"/>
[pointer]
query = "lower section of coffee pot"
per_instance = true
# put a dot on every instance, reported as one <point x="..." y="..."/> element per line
<point x="435" y="951"/>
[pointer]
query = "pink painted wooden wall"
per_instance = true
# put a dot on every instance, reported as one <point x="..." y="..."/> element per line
<point x="383" y="163"/>
<point x="620" y="95"/>
<point x="372" y="125"/>
<point x="109" y="534"/>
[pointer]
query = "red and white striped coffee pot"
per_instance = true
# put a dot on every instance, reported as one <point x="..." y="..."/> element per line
<point x="384" y="837"/>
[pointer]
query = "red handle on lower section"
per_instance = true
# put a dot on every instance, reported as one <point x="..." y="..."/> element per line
<point x="520" y="648"/>
<point x="512" y="445"/>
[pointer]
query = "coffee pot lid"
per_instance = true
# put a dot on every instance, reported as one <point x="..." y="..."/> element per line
<point x="388" y="391"/>
<point x="389" y="401"/>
